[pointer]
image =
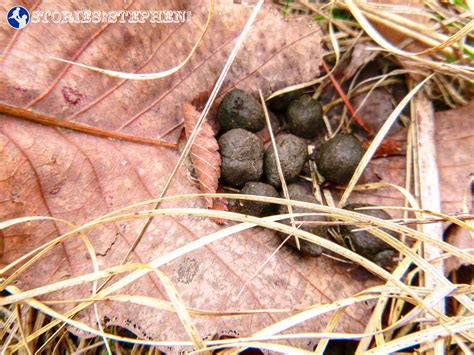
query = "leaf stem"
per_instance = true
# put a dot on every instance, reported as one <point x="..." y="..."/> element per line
<point x="78" y="127"/>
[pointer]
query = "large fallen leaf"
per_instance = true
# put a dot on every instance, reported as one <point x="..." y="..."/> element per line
<point x="77" y="177"/>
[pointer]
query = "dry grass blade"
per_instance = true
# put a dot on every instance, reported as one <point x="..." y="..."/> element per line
<point x="376" y="317"/>
<point x="419" y="35"/>
<point x="13" y="221"/>
<point x="117" y="269"/>
<point x="263" y="265"/>
<point x="301" y="317"/>
<point x="425" y="336"/>
<point x="323" y="343"/>
<point x="266" y="223"/>
<point x="334" y="41"/>
<point x="124" y="268"/>
<point x="272" y="347"/>
<point x="333" y="211"/>
<point x="467" y="197"/>
<point x="341" y="24"/>
<point x="278" y="163"/>
<point x="22" y="332"/>
<point x="168" y="306"/>
<point x="445" y="67"/>
<point x="181" y="310"/>
<point x="375" y="320"/>
<point x="230" y="342"/>
<point x="28" y="262"/>
<point x="377" y="140"/>
<point x="425" y="34"/>
<point x="148" y="76"/>
<point x="84" y="327"/>
<point x="453" y="39"/>
<point x="363" y="87"/>
<point x="7" y="321"/>
<point x="380" y="185"/>
<point x="443" y="216"/>
<point x="95" y="265"/>
<point x="9" y="339"/>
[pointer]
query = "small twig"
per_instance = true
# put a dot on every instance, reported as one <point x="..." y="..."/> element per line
<point x="386" y="148"/>
<point x="377" y="140"/>
<point x="346" y="101"/>
<point x="54" y="122"/>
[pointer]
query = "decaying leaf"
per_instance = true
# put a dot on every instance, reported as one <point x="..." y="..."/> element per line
<point x="374" y="108"/>
<point x="204" y="153"/>
<point x="361" y="55"/>
<point x="393" y="35"/>
<point x="454" y="144"/>
<point x="462" y="239"/>
<point x="455" y="138"/>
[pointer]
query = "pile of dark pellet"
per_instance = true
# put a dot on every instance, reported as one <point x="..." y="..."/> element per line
<point x="247" y="166"/>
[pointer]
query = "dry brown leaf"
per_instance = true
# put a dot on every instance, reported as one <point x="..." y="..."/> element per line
<point x="395" y="36"/>
<point x="204" y="153"/>
<point x="455" y="137"/>
<point x="375" y="108"/>
<point x="460" y="238"/>
<point x="362" y="54"/>
<point x="398" y="38"/>
<point x="77" y="177"/>
<point x="454" y="146"/>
